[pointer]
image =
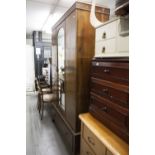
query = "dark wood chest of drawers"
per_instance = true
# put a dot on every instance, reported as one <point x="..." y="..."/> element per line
<point x="109" y="94"/>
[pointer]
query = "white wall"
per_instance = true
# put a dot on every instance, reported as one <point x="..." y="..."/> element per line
<point x="30" y="74"/>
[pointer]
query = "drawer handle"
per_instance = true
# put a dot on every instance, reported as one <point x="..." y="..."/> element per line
<point x="111" y="97"/>
<point x="106" y="70"/>
<point x="97" y="64"/>
<point x="103" y="50"/>
<point x="88" y="153"/>
<point x="116" y="99"/>
<point x="104" y="35"/>
<point x="91" y="141"/>
<point x="105" y="109"/>
<point x="105" y="90"/>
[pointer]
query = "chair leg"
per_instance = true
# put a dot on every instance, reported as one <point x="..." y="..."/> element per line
<point x="42" y="110"/>
<point x="39" y="103"/>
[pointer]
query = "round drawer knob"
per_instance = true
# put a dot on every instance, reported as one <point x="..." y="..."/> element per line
<point x="104" y="109"/>
<point x="104" y="35"/>
<point x="103" y="50"/>
<point x="106" y="70"/>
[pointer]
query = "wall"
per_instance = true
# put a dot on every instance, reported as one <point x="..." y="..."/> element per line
<point x="30" y="74"/>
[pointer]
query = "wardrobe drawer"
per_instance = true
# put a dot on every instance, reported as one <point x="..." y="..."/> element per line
<point x="107" y="31"/>
<point x="111" y="93"/>
<point x="103" y="48"/>
<point x="85" y="149"/>
<point x="93" y="142"/>
<point x="111" y="71"/>
<point x="64" y="132"/>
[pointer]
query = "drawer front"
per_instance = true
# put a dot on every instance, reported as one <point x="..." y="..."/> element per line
<point x="85" y="149"/>
<point x="123" y="44"/>
<point x="108" y="153"/>
<point x="64" y="132"/>
<point x="107" y="31"/>
<point x="103" y="48"/>
<point x="112" y="94"/>
<point x="118" y="128"/>
<point x="93" y="142"/>
<point x="110" y="112"/>
<point x="111" y="71"/>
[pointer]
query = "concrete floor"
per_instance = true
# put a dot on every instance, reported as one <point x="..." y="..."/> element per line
<point x="42" y="137"/>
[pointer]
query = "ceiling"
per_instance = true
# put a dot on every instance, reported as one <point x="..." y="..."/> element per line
<point x="42" y="14"/>
<point x="39" y="12"/>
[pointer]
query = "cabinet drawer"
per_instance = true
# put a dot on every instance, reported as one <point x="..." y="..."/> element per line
<point x="93" y="142"/>
<point x="113" y="94"/>
<point x="118" y="116"/>
<point x="108" y="153"/>
<point x="119" y="128"/>
<point x="103" y="48"/>
<point x="64" y="132"/>
<point x="123" y="44"/>
<point x="85" y="149"/>
<point x="107" y="31"/>
<point x="111" y="71"/>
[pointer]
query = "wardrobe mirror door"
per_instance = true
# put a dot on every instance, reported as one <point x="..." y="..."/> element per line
<point x="61" y="67"/>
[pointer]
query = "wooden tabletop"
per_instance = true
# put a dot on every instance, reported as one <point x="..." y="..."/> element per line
<point x="113" y="143"/>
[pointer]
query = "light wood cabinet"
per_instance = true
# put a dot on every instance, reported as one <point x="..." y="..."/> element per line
<point x="93" y="141"/>
<point x="85" y="149"/>
<point x="108" y="153"/>
<point x="96" y="139"/>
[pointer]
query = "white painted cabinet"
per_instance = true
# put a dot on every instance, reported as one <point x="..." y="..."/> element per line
<point x="112" y="38"/>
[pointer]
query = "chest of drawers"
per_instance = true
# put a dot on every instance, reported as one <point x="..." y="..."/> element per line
<point x="112" y="38"/>
<point x="109" y="94"/>
<point x="96" y="139"/>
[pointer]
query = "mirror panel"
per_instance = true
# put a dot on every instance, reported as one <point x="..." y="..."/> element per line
<point x="61" y="67"/>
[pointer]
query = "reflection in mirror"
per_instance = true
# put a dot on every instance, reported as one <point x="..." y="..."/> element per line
<point x="61" y="67"/>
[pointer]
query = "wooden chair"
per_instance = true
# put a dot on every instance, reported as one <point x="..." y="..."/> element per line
<point x="48" y="96"/>
<point x="42" y="87"/>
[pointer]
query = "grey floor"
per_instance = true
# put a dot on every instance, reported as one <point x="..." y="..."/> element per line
<point x="42" y="137"/>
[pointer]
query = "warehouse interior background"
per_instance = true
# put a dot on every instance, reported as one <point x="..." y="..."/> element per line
<point x="14" y="81"/>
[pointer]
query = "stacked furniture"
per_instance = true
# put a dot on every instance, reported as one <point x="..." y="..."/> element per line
<point x="105" y="129"/>
<point x="109" y="94"/>
<point x="76" y="50"/>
